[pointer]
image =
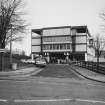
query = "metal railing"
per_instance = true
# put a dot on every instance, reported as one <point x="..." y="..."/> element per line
<point x="91" y="66"/>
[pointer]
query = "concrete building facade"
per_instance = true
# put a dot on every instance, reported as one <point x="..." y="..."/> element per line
<point x="62" y="43"/>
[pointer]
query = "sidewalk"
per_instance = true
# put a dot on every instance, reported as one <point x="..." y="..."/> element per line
<point x="89" y="74"/>
<point x="20" y="72"/>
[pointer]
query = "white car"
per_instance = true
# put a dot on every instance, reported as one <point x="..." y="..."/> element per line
<point x="40" y="62"/>
<point x="30" y="61"/>
<point x="23" y="60"/>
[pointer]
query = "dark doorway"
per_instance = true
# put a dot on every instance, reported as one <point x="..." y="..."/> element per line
<point x="55" y="56"/>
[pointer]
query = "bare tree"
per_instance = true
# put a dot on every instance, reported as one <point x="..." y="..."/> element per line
<point x="11" y="24"/>
<point x="10" y="19"/>
<point x="99" y="44"/>
<point x="102" y="16"/>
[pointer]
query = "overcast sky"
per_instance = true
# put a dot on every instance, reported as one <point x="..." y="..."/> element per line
<point x="48" y="13"/>
<point x="51" y="13"/>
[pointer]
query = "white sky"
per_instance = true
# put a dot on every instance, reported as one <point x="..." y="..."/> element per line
<point x="51" y="13"/>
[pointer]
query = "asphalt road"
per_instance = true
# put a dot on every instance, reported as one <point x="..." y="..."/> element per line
<point x="52" y="90"/>
<point x="58" y="71"/>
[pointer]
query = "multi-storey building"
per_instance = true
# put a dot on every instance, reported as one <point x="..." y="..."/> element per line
<point x="67" y="42"/>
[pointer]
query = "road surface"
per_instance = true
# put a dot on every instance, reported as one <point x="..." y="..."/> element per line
<point x="61" y="86"/>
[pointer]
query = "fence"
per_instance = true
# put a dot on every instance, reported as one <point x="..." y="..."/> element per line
<point x="92" y="66"/>
<point x="5" y="61"/>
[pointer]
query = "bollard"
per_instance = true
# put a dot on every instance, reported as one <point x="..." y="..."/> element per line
<point x="14" y="66"/>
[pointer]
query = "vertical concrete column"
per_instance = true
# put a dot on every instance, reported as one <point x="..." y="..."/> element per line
<point x="41" y="42"/>
<point x="86" y="57"/>
<point x="48" y="58"/>
<point x="32" y="56"/>
<point x="67" y="57"/>
<point x="1" y="61"/>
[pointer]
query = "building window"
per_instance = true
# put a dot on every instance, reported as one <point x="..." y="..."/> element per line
<point x="43" y="47"/>
<point x="51" y="47"/>
<point x="81" y="30"/>
<point x="57" y="39"/>
<point x="68" y="38"/>
<point x="57" y="46"/>
<point x="68" y="46"/>
<point x="62" y="46"/>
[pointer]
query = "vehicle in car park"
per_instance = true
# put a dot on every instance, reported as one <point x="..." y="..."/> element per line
<point x="23" y="60"/>
<point x="41" y="62"/>
<point x="30" y="61"/>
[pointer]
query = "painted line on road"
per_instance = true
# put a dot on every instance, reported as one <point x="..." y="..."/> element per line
<point x="54" y="100"/>
<point x="91" y="101"/>
<point x="3" y="100"/>
<point x="50" y="100"/>
<point x="60" y="100"/>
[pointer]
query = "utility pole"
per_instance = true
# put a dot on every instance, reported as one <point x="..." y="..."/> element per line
<point x="1" y="60"/>
<point x="11" y="48"/>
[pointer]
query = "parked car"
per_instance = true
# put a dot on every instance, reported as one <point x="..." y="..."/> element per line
<point x="41" y="62"/>
<point x="30" y="61"/>
<point x="23" y="60"/>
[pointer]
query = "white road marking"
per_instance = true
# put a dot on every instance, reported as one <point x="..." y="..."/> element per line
<point x="57" y="83"/>
<point x="3" y="100"/>
<point x="92" y="101"/>
<point x="50" y="100"/>
<point x="60" y="83"/>
<point x="53" y="100"/>
<point x="56" y="100"/>
<point x="92" y="84"/>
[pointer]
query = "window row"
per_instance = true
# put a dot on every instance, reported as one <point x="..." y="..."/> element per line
<point x="57" y="39"/>
<point x="56" y="46"/>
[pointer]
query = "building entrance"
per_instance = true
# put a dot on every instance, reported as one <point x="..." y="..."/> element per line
<point x="55" y="57"/>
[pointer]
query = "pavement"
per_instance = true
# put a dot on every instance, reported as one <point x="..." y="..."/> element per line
<point x="89" y="74"/>
<point x="22" y="72"/>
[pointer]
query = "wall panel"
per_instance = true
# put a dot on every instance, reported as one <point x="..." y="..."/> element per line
<point x="81" y="39"/>
<point x="81" y="47"/>
<point x="36" y="49"/>
<point x="36" y="41"/>
<point x="61" y="31"/>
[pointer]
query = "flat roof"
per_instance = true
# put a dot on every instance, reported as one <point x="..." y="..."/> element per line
<point x="38" y="31"/>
